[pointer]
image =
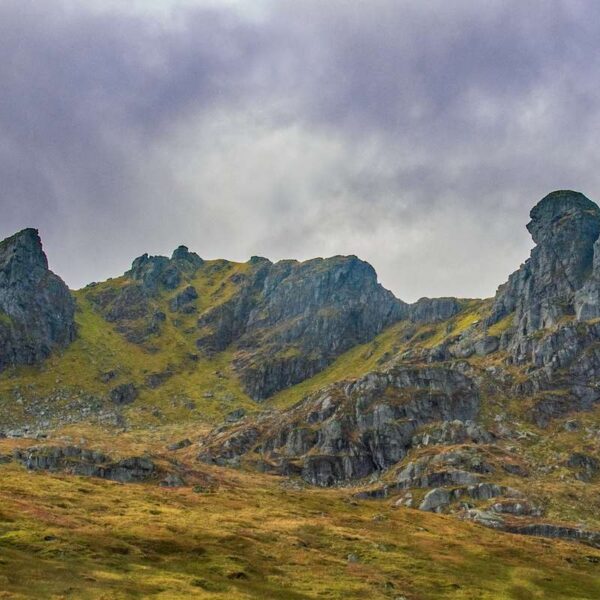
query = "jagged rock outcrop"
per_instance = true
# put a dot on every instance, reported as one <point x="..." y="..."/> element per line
<point x="291" y="319"/>
<point x="587" y="466"/>
<point x="156" y="271"/>
<point x="184" y="301"/>
<point x="452" y="432"/>
<point x="438" y="499"/>
<point x="352" y="429"/>
<point x="433" y="310"/>
<point x="447" y="468"/>
<point x="494" y="520"/>
<point x="551" y="302"/>
<point x="36" y="307"/>
<point x="124" y="393"/>
<point x="90" y="463"/>
<point x="565" y="226"/>
<point x="131" y="305"/>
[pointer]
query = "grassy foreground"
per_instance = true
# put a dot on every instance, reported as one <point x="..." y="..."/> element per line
<point x="247" y="535"/>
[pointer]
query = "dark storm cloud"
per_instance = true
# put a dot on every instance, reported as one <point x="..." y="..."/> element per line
<point x="414" y="134"/>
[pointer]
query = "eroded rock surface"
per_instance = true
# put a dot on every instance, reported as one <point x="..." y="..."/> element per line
<point x="36" y="307"/>
<point x="81" y="461"/>
<point x="352" y="429"/>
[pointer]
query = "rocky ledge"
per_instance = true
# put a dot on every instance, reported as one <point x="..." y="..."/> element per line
<point x="351" y="429"/>
<point x="81" y="461"/>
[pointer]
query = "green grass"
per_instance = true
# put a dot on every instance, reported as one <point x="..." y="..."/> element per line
<point x="72" y="537"/>
<point x="209" y="383"/>
<point x="497" y="329"/>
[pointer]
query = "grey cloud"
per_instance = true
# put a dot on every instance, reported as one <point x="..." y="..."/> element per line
<point x="416" y="135"/>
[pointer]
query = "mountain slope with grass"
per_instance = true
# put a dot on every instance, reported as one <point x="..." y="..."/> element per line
<point x="293" y="430"/>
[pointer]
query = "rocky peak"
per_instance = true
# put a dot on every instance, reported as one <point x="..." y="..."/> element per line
<point x="563" y="214"/>
<point x="21" y="254"/>
<point x="183" y="255"/>
<point x="559" y="279"/>
<point x="36" y="307"/>
<point x="154" y="272"/>
<point x="291" y="319"/>
<point x="565" y="226"/>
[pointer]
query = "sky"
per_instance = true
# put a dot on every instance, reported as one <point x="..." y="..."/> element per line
<point x="416" y="135"/>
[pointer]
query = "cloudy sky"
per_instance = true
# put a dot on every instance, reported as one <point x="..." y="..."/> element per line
<point x="414" y="134"/>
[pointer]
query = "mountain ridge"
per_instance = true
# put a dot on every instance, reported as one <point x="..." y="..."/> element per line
<point x="309" y="377"/>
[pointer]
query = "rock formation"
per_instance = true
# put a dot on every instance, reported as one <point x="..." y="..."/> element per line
<point x="36" y="307"/>
<point x="560" y="277"/>
<point x="291" y="319"/>
<point x="353" y="429"/>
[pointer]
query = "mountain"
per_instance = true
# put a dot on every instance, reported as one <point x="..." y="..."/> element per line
<point x="299" y="419"/>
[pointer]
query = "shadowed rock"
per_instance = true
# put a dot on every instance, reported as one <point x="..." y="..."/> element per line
<point x="80" y="461"/>
<point x="356" y="428"/>
<point x="36" y="307"/>
<point x="291" y="319"/>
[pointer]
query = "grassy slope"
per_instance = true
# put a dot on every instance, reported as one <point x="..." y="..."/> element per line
<point x="138" y="541"/>
<point x="63" y="537"/>
<point x="209" y="383"/>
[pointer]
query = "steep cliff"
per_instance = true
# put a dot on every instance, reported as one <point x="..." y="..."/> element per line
<point x="559" y="279"/>
<point x="36" y="307"/>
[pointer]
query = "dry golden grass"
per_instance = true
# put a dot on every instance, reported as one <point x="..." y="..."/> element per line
<point x="252" y="537"/>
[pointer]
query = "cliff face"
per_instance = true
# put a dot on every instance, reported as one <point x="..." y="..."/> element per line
<point x="291" y="319"/>
<point x="561" y="277"/>
<point x="352" y="429"/>
<point x="36" y="307"/>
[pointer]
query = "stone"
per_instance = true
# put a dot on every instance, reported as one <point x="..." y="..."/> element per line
<point x="235" y="415"/>
<point x="486" y="346"/>
<point x="108" y="376"/>
<point x="452" y="432"/>
<point x="81" y="461"/>
<point x="155" y="380"/>
<point x="123" y="394"/>
<point x="588" y="466"/>
<point x="517" y="508"/>
<point x="184" y="300"/>
<point x="172" y="480"/>
<point x="435" y="500"/>
<point x="179" y="445"/>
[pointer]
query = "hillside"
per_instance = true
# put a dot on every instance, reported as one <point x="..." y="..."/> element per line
<point x="293" y="430"/>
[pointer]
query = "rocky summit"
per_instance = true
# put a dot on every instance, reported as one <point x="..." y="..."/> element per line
<point x="208" y="428"/>
<point x="36" y="307"/>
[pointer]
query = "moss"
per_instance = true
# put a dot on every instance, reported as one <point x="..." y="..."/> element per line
<point x="497" y="329"/>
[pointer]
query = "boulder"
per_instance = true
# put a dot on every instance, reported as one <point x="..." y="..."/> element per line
<point x="125" y="393"/>
<point x="436" y="499"/>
